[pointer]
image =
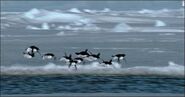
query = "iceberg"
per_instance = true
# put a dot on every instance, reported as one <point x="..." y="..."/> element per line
<point x="122" y="27"/>
<point x="159" y="23"/>
<point x="75" y="10"/>
<point x="43" y="16"/>
<point x="45" y="26"/>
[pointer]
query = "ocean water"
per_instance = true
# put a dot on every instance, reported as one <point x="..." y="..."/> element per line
<point x="153" y="41"/>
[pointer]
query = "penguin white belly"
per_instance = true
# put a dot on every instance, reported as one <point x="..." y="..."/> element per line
<point x="79" y="61"/>
<point x="47" y="57"/>
<point x="121" y="58"/>
<point x="73" y="63"/>
<point x="27" y="56"/>
<point x="82" y="56"/>
<point x="34" y="50"/>
<point x="90" y="59"/>
<point x="64" y="60"/>
<point x="28" y="50"/>
<point x="115" y="58"/>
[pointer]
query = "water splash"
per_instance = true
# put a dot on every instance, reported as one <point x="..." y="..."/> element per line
<point x="172" y="69"/>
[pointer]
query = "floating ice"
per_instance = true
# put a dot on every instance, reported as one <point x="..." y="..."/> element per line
<point x="60" y="33"/>
<point x="75" y="10"/>
<point x="31" y="14"/>
<point x="87" y="27"/>
<point x="45" y="26"/>
<point x="159" y="23"/>
<point x="145" y="11"/>
<point x="122" y="27"/>
<point x="42" y="16"/>
<point x="106" y="10"/>
<point x="90" y="11"/>
<point x="167" y="34"/>
<point x="32" y="27"/>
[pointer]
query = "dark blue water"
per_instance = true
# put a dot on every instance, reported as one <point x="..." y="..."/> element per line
<point x="47" y="84"/>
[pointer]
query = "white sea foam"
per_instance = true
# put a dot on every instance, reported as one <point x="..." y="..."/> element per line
<point x="172" y="69"/>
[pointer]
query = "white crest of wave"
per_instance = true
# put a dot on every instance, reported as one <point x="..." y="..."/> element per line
<point x="172" y="69"/>
<point x="40" y="15"/>
<point x="122" y="27"/>
<point x="75" y="10"/>
<point x="159" y="23"/>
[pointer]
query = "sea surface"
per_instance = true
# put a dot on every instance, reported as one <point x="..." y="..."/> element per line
<point x="153" y="41"/>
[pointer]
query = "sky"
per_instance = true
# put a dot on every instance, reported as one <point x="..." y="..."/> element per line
<point x="97" y="5"/>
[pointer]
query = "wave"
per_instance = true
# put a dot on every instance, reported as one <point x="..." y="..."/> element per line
<point x="173" y="70"/>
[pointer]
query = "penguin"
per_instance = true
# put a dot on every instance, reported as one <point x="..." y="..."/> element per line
<point x="73" y="62"/>
<point x="79" y="60"/>
<point x="66" y="58"/>
<point x="93" y="57"/>
<point x="107" y="62"/>
<point x="33" y="49"/>
<point x="28" y="55"/>
<point x="119" y="57"/>
<point x="83" y="54"/>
